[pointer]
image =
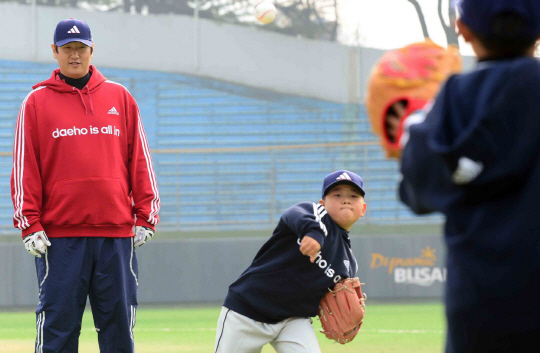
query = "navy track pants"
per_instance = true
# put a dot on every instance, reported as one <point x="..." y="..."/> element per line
<point x="74" y="269"/>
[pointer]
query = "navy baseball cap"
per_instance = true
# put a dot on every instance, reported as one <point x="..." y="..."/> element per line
<point x="342" y="177"/>
<point x="72" y="30"/>
<point x="478" y="14"/>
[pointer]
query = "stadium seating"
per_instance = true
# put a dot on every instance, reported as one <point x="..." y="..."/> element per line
<point x="228" y="156"/>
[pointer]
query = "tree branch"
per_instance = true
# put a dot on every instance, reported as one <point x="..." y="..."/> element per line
<point x="336" y="25"/>
<point x="421" y="17"/>
<point x="451" y="36"/>
<point x="453" y="39"/>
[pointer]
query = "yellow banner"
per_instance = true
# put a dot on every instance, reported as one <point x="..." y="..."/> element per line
<point x="426" y="259"/>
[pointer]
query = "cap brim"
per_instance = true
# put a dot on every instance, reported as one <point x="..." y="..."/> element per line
<point x="339" y="182"/>
<point x="69" y="40"/>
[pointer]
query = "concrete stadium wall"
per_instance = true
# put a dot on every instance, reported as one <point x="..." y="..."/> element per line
<point x="236" y="54"/>
<point x="191" y="271"/>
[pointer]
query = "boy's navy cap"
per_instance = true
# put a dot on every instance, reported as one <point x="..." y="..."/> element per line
<point x="342" y="177"/>
<point x="478" y="14"/>
<point x="72" y="30"/>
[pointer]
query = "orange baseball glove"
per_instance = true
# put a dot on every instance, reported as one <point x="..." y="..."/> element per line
<point x="411" y="76"/>
<point x="342" y="310"/>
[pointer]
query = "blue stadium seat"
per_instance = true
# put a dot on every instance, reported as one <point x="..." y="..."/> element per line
<point x="224" y="154"/>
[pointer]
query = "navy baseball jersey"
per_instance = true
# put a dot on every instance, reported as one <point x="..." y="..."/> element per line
<point x="476" y="158"/>
<point x="281" y="282"/>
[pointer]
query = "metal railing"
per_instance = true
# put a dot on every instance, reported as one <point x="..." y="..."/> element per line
<point x="249" y="187"/>
<point x="227" y="157"/>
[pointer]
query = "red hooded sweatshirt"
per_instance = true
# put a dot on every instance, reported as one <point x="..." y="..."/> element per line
<point x="81" y="162"/>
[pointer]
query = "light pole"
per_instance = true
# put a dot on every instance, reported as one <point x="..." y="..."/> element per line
<point x="196" y="36"/>
<point x="33" y="29"/>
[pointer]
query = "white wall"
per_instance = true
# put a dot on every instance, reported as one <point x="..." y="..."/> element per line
<point x="247" y="56"/>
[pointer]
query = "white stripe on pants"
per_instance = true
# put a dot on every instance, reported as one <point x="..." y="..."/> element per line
<point x="237" y="333"/>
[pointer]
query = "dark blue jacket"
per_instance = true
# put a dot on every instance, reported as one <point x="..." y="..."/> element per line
<point x="476" y="158"/>
<point x="281" y="282"/>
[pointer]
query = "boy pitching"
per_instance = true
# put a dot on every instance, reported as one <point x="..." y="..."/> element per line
<point x="474" y="155"/>
<point x="82" y="181"/>
<point x="273" y="300"/>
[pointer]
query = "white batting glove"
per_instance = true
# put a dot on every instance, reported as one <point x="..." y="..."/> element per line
<point x="142" y="235"/>
<point x="36" y="243"/>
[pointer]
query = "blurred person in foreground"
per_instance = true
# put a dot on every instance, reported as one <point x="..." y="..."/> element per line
<point x="82" y="183"/>
<point x="473" y="154"/>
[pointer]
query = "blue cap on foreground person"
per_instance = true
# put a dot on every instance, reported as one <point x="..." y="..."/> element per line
<point x="478" y="15"/>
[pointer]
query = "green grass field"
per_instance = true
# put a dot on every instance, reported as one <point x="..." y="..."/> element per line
<point x="403" y="328"/>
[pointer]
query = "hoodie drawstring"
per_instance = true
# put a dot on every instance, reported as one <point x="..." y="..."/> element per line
<point x="82" y="100"/>
<point x="89" y="98"/>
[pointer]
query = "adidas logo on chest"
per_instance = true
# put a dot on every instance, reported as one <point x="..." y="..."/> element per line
<point x="113" y="111"/>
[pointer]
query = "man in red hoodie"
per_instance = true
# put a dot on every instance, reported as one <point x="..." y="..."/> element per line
<point x="82" y="182"/>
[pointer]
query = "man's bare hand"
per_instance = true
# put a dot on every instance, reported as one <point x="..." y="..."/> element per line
<point x="310" y="247"/>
